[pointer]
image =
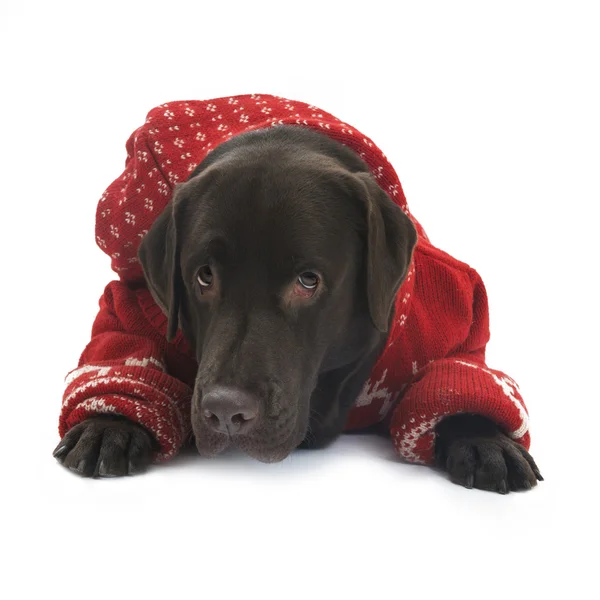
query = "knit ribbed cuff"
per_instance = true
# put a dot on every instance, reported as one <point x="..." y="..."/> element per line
<point x="452" y="386"/>
<point x="148" y="397"/>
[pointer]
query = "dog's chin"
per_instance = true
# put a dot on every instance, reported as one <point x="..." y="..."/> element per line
<point x="209" y="448"/>
<point x="264" y="454"/>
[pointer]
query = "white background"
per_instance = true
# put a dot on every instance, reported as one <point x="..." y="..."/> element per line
<point x="490" y="114"/>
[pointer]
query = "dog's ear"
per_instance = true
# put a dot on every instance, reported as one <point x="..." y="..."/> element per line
<point x="159" y="255"/>
<point x="391" y="238"/>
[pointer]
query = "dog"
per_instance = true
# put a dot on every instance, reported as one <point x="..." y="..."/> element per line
<point x="285" y="274"/>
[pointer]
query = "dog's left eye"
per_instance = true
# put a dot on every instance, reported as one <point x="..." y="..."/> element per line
<point x="308" y="280"/>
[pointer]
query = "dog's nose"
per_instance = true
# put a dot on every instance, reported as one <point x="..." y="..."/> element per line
<point x="229" y="410"/>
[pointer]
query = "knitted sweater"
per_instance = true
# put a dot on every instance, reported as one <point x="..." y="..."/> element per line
<point x="432" y="366"/>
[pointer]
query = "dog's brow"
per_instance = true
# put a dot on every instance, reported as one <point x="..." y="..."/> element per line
<point x="311" y="263"/>
<point x="207" y="248"/>
<point x="216" y="246"/>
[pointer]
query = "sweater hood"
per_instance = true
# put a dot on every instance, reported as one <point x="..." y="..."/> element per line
<point x="177" y="136"/>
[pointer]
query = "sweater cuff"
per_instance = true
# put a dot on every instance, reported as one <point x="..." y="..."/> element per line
<point x="148" y="397"/>
<point x="449" y="387"/>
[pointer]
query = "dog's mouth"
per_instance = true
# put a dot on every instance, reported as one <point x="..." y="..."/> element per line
<point x="263" y="451"/>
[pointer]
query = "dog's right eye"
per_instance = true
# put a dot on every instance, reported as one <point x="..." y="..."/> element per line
<point x="205" y="276"/>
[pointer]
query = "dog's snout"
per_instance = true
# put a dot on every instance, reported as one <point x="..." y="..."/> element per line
<point x="229" y="410"/>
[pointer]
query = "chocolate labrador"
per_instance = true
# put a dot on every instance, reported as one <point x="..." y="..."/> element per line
<point x="272" y="354"/>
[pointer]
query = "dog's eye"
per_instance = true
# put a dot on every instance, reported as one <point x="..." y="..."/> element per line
<point x="308" y="280"/>
<point x="205" y="276"/>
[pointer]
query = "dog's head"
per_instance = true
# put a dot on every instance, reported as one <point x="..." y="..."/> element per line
<point x="280" y="259"/>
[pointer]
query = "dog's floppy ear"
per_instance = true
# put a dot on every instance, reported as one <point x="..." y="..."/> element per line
<point x="391" y="238"/>
<point x="159" y="255"/>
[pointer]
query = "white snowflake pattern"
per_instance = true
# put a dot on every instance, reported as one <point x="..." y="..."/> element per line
<point x="406" y="442"/>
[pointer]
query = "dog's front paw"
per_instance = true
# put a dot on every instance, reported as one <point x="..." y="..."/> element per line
<point x="106" y="446"/>
<point x="475" y="453"/>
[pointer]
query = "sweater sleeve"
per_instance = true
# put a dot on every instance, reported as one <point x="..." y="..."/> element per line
<point x="122" y="371"/>
<point x="458" y="383"/>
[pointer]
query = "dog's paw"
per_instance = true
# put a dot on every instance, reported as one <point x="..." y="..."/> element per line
<point x="106" y="446"/>
<point x="475" y="453"/>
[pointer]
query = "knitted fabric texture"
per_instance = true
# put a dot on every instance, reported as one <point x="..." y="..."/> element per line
<point x="432" y="366"/>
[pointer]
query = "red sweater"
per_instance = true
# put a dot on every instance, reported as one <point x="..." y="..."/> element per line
<point x="432" y="366"/>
